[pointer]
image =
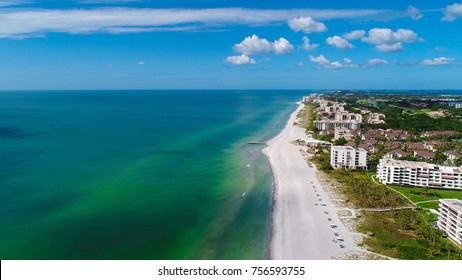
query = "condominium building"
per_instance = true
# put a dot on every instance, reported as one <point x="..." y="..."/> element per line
<point x="332" y="124"/>
<point x="420" y="174"/>
<point x="450" y="219"/>
<point x="346" y="133"/>
<point x="348" y="157"/>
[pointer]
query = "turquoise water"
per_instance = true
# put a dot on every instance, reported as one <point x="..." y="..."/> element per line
<point x="137" y="174"/>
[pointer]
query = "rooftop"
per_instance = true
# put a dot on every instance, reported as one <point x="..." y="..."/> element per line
<point x="347" y="148"/>
<point x="410" y="164"/>
<point x="453" y="203"/>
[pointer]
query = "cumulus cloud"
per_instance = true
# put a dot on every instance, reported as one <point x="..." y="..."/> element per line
<point x="387" y="40"/>
<point x="414" y="13"/>
<point x="339" y="43"/>
<point x="436" y="61"/>
<point x="307" y="46"/>
<point x="306" y="25"/>
<point x="376" y="62"/>
<point x="354" y="35"/>
<point x="282" y="46"/>
<point x="327" y="64"/>
<point x="319" y="60"/>
<point x="255" y="45"/>
<point x="396" y="47"/>
<point x="452" y="12"/>
<point x="300" y="64"/>
<point x="240" y="60"/>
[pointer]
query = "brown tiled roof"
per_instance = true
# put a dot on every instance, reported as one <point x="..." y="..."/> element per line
<point x="350" y="144"/>
<point x="416" y="146"/>
<point x="371" y="142"/>
<point x="424" y="154"/>
<point x="453" y="153"/>
<point x="392" y="145"/>
<point x="399" y="152"/>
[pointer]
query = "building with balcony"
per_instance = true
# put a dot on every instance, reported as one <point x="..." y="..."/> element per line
<point x="419" y="174"/>
<point x="450" y="219"/>
<point x="348" y="157"/>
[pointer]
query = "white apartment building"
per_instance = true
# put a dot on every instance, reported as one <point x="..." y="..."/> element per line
<point x="346" y="133"/>
<point x="450" y="219"/>
<point x="325" y="124"/>
<point x="348" y="157"/>
<point x="420" y="174"/>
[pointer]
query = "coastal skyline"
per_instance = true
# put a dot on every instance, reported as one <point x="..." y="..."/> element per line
<point x="131" y="44"/>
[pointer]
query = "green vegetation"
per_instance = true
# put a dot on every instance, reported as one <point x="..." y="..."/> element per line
<point x="341" y="141"/>
<point x="364" y="193"/>
<point x="307" y="116"/>
<point x="429" y="205"/>
<point x="405" y="235"/>
<point x="417" y="194"/>
<point x="402" y="234"/>
<point x="321" y="159"/>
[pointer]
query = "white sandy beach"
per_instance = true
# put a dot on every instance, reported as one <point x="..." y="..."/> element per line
<point x="301" y="229"/>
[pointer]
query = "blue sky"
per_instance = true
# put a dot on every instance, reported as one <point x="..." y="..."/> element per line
<point x="221" y="44"/>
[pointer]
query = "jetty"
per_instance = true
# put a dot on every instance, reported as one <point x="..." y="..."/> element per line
<point x="256" y="143"/>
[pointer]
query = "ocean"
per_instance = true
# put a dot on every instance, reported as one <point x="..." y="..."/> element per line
<point x="137" y="174"/>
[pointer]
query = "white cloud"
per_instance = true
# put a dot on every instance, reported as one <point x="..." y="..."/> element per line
<point x="254" y="45"/>
<point x="306" y="44"/>
<point x="240" y="60"/>
<point x="396" y="47"/>
<point x="140" y="63"/>
<point x="282" y="46"/>
<point x="437" y="61"/>
<point x="319" y="60"/>
<point x="300" y="64"/>
<point x="23" y="23"/>
<point x="387" y="36"/>
<point x="376" y="62"/>
<point x="354" y="35"/>
<point x="327" y="64"/>
<point x="452" y="12"/>
<point x="387" y="40"/>
<point x="306" y="25"/>
<point x="339" y="43"/>
<point x="414" y="13"/>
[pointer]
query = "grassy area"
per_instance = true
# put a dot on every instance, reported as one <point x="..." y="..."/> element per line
<point x="429" y="205"/>
<point x="418" y="194"/>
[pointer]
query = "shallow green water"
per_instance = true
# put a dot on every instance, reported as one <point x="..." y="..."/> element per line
<point x="137" y="174"/>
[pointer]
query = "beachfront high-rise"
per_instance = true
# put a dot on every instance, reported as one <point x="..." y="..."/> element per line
<point x="450" y="219"/>
<point x="420" y="174"/>
<point x="348" y="157"/>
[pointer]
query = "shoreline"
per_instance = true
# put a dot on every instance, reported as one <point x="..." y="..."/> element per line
<point x="300" y="229"/>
